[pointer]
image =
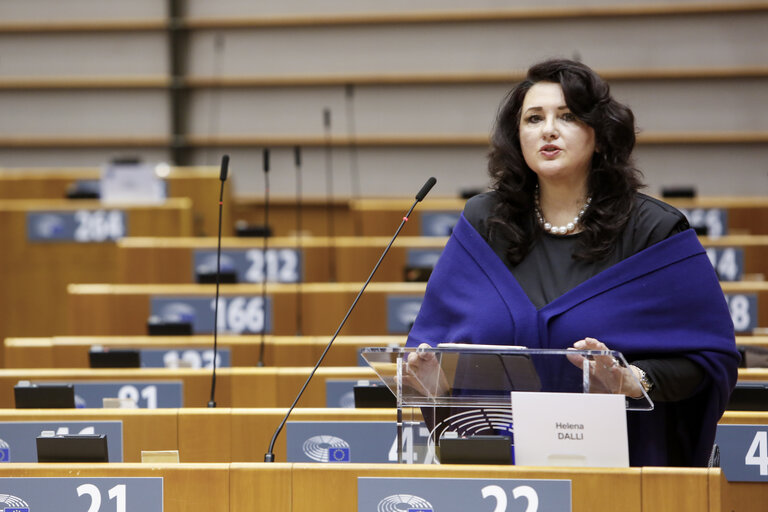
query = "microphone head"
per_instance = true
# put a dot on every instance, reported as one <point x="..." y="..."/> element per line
<point x="224" y="168"/>
<point x="297" y="156"/>
<point x="327" y="117"/>
<point x="266" y="160"/>
<point x="426" y="188"/>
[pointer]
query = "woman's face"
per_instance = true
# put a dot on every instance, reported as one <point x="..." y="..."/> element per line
<point x="556" y="145"/>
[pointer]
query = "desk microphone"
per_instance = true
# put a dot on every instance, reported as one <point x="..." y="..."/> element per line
<point x="222" y="178"/>
<point x="270" y="456"/>
<point x="264" y="249"/>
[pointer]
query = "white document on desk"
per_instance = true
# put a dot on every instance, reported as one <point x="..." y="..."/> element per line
<point x="570" y="429"/>
<point x="131" y="184"/>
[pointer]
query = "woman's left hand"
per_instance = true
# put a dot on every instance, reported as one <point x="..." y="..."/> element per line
<point x="606" y="373"/>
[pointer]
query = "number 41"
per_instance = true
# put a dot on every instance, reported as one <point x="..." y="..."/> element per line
<point x="757" y="455"/>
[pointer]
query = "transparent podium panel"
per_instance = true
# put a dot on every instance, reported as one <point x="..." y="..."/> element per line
<point x="464" y="390"/>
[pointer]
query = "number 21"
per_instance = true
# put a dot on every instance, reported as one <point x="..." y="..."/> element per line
<point x="116" y="493"/>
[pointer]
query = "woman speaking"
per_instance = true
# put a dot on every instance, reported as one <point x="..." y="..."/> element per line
<point x="565" y="252"/>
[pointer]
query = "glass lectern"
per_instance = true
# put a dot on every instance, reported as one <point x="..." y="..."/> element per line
<point x="464" y="390"/>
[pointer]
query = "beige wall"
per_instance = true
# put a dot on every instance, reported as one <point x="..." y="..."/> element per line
<point x="734" y="107"/>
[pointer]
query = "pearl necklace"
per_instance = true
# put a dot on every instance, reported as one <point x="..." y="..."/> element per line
<point x="558" y="230"/>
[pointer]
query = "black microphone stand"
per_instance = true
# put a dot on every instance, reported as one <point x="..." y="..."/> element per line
<point x="299" y="236"/>
<point x="353" y="161"/>
<point x="264" y="250"/>
<point x="270" y="456"/>
<point x="329" y="197"/>
<point x="223" y="178"/>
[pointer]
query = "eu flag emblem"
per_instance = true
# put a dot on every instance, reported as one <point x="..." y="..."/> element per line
<point x="339" y="454"/>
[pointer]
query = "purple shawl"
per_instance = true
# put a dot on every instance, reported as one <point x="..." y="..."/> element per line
<point x="664" y="300"/>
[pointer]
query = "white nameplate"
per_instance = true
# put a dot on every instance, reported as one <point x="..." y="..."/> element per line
<point x="570" y="429"/>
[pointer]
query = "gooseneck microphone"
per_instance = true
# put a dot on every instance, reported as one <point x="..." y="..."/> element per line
<point x="329" y="207"/>
<point x="270" y="456"/>
<point x="264" y="249"/>
<point x="354" y="170"/>
<point x="299" y="240"/>
<point x="222" y="177"/>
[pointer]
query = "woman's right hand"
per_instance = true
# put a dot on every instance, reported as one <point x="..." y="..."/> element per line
<point x="607" y="375"/>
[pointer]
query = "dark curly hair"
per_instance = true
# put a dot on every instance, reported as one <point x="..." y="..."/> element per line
<point x="612" y="182"/>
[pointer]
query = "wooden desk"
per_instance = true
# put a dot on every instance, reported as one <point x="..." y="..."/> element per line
<point x="104" y="309"/>
<point x="202" y="434"/>
<point x="143" y="429"/>
<point x="755" y="249"/>
<point x="592" y="489"/>
<point x="744" y="418"/>
<point x="377" y="216"/>
<point x="745" y="214"/>
<point x="72" y="352"/>
<point x="745" y="495"/>
<point x="753" y="374"/>
<point x="171" y="260"/>
<point x="235" y="387"/>
<point x="224" y="434"/>
<point x="759" y="289"/>
<point x="199" y="184"/>
<point x="331" y="487"/>
<point x="185" y="486"/>
<point x="316" y="215"/>
<point x="34" y="275"/>
<point x="243" y="435"/>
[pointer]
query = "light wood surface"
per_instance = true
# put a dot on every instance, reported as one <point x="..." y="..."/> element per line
<point x="344" y="79"/>
<point x="89" y="82"/>
<point x="104" y="309"/>
<point x="171" y="260"/>
<point x="414" y="139"/>
<point x="242" y="434"/>
<point x="745" y="418"/>
<point x="35" y="274"/>
<point x="135" y="25"/>
<point x="621" y="488"/>
<point x="372" y="17"/>
<point x="375" y="140"/>
<point x="72" y="352"/>
<point x="143" y="429"/>
<point x="262" y="487"/>
<point x="460" y="77"/>
<point x="319" y="215"/>
<point x="349" y="258"/>
<point x="480" y="15"/>
<point x="746" y="215"/>
<point x="199" y="184"/>
<point x="185" y="486"/>
<point x="661" y="489"/>
<point x="332" y="487"/>
<point x="235" y="387"/>
<point x="746" y="374"/>
<point x="90" y="141"/>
